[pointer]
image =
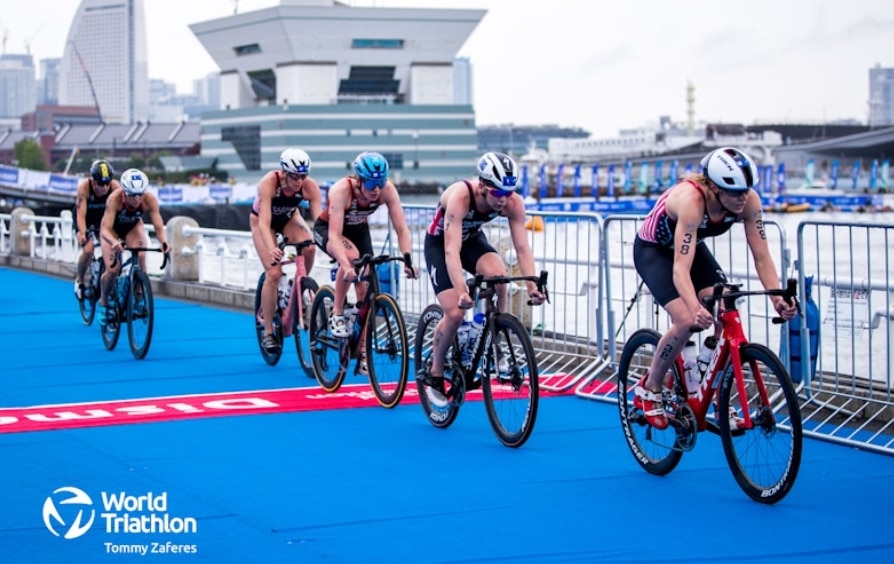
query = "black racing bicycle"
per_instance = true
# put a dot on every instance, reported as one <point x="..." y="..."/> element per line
<point x="130" y="302"/>
<point x="503" y="365"/>
<point x="91" y="290"/>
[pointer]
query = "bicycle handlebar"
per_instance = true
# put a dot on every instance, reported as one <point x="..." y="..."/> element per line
<point x="298" y="248"/>
<point x="135" y="250"/>
<point x="366" y="259"/>
<point x="480" y="281"/>
<point x="790" y="294"/>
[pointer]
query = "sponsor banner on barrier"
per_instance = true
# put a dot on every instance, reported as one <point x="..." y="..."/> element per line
<point x="170" y="194"/>
<point x="63" y="184"/>
<point x="220" y="192"/>
<point x="9" y="175"/>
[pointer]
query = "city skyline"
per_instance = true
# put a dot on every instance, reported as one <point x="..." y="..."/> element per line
<point x="619" y="68"/>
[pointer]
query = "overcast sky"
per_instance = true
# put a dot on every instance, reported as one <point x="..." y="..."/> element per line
<point x="588" y="63"/>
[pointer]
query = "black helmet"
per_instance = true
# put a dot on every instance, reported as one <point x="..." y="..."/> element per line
<point x="102" y="172"/>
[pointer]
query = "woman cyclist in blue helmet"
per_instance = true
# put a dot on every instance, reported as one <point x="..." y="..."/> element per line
<point x="342" y="229"/>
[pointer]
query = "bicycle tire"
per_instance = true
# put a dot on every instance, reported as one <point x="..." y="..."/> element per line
<point x="511" y="398"/>
<point x="309" y="288"/>
<point x="87" y="301"/>
<point x="329" y="354"/>
<point x="140" y="314"/>
<point x="387" y="351"/>
<point x="653" y="449"/>
<point x="440" y="412"/>
<point x="270" y="358"/>
<point x="764" y="459"/>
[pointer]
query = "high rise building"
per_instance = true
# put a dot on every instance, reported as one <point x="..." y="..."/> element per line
<point x="48" y="83"/>
<point x="105" y="61"/>
<point x="462" y="81"/>
<point x="18" y="85"/>
<point x="881" y="96"/>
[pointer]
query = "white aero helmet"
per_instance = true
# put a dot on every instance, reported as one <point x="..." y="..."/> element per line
<point x="730" y="169"/>
<point x="295" y="161"/>
<point x="498" y="171"/>
<point x="134" y="182"/>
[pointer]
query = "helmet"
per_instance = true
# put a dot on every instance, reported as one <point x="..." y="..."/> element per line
<point x="295" y="161"/>
<point x="134" y="182"/>
<point x="498" y="171"/>
<point x="101" y="171"/>
<point x="371" y="168"/>
<point x="730" y="169"/>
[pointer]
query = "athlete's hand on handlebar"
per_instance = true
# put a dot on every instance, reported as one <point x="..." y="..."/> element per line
<point x="703" y="319"/>
<point x="536" y="297"/>
<point x="276" y="254"/>
<point x="465" y="300"/>
<point x="785" y="310"/>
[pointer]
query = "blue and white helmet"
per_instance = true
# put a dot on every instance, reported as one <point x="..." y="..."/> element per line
<point x="295" y="161"/>
<point x="134" y="182"/>
<point x="730" y="169"/>
<point x="371" y="168"/>
<point x="499" y="171"/>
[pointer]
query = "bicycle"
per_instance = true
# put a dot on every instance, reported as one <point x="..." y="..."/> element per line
<point x="761" y="435"/>
<point x="91" y="291"/>
<point x="502" y="352"/>
<point x="130" y="301"/>
<point x="384" y="334"/>
<point x="291" y="317"/>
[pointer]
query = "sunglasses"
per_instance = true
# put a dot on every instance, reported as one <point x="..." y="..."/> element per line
<point x="374" y="183"/>
<point x="734" y="193"/>
<point x="296" y="175"/>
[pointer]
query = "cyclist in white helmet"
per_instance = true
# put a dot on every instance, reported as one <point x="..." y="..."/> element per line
<point x="123" y="219"/>
<point x="454" y="242"/>
<point x="673" y="261"/>
<point x="277" y="209"/>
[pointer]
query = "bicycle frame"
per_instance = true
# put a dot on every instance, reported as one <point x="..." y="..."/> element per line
<point x="295" y="306"/>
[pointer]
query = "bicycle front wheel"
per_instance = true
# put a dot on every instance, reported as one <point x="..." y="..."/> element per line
<point x="87" y="301"/>
<point x="329" y="354"/>
<point x="655" y="450"/>
<point x="271" y="358"/>
<point x="386" y="351"/>
<point x="440" y="411"/>
<point x="510" y="381"/>
<point x="301" y="329"/>
<point x="111" y="329"/>
<point x="764" y="456"/>
<point x="140" y="314"/>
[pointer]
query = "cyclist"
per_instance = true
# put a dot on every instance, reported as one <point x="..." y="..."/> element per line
<point x="90" y="204"/>
<point x="123" y="219"/>
<point x="280" y="194"/>
<point x="342" y="229"/>
<point x="674" y="262"/>
<point x="455" y="242"/>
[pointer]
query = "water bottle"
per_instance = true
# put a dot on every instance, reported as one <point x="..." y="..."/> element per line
<point x="350" y="315"/>
<point x="690" y="367"/>
<point x="94" y="268"/>
<point x="462" y="335"/>
<point x="704" y="356"/>
<point x="122" y="289"/>
<point x="282" y="293"/>
<point x="475" y="329"/>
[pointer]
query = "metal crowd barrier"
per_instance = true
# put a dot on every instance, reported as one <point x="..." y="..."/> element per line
<point x="597" y="300"/>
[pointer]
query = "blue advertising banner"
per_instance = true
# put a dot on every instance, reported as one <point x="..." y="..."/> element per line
<point x="674" y="170"/>
<point x="780" y="179"/>
<point x="543" y="181"/>
<point x="577" y="180"/>
<point x="525" y="182"/>
<point x="643" y="176"/>
<point x="610" y="187"/>
<point x="628" y="177"/>
<point x="833" y="174"/>
<point x="220" y="192"/>
<point x="64" y="184"/>
<point x="658" y="182"/>
<point x="855" y="173"/>
<point x="873" y="175"/>
<point x="9" y="175"/>
<point x="560" y="180"/>
<point x="594" y="181"/>
<point x="766" y="184"/>
<point x="170" y="194"/>
<point x="885" y="177"/>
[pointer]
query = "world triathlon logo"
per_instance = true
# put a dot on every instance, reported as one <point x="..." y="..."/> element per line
<point x="68" y="512"/>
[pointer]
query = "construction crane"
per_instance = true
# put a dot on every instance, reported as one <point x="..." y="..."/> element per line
<point x="87" y="74"/>
<point x="5" y="36"/>
<point x="28" y="40"/>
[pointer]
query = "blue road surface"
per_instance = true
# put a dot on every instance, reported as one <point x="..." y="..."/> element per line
<point x="367" y="484"/>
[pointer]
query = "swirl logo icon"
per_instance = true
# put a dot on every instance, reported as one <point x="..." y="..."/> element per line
<point x="66" y="523"/>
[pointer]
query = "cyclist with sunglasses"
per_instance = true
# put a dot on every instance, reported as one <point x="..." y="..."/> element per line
<point x="670" y="256"/>
<point x="342" y="229"/>
<point x="454" y="242"/>
<point x="90" y="204"/>
<point x="276" y="210"/>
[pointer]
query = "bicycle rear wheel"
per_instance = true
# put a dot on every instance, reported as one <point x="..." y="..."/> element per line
<point x="270" y="358"/>
<point x="329" y="354"/>
<point x="510" y="381"/>
<point x="301" y="330"/>
<point x="140" y="314"/>
<point x="387" y="351"/>
<point x="766" y="457"/>
<point x="440" y="411"/>
<point x="87" y="301"/>
<point x="655" y="450"/>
